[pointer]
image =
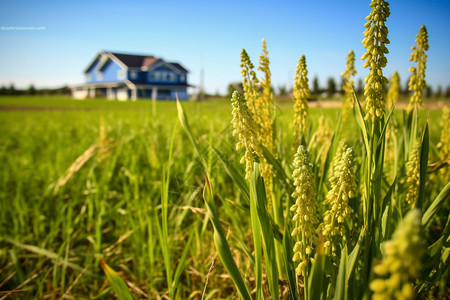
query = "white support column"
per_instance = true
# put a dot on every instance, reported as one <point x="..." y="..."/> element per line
<point x="109" y="94"/>
<point x="154" y="93"/>
<point x="134" y="94"/>
<point x="92" y="93"/>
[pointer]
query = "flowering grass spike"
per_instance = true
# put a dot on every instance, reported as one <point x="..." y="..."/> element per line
<point x="394" y="89"/>
<point x="413" y="174"/>
<point x="304" y="209"/>
<point x="348" y="84"/>
<point x="249" y="82"/>
<point x="401" y="260"/>
<point x="417" y="81"/>
<point x="375" y="43"/>
<point x="245" y="129"/>
<point x="444" y="144"/>
<point x="343" y="187"/>
<point x="301" y="95"/>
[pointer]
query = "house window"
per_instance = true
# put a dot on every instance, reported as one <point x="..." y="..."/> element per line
<point x="88" y="77"/>
<point x="157" y="75"/>
<point x="99" y="76"/>
<point x="182" y="78"/>
<point x="172" y="77"/>
<point x="121" y="74"/>
<point x="133" y="74"/>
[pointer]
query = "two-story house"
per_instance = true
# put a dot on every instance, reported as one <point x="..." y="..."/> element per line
<point x="128" y="76"/>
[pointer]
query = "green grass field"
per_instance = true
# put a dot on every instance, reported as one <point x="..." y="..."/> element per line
<point x="120" y="181"/>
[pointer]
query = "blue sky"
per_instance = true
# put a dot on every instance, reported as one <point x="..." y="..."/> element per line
<point x="209" y="35"/>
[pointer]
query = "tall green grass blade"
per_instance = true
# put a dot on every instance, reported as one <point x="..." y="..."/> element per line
<point x="237" y="178"/>
<point x="258" y="195"/>
<point x="317" y="279"/>
<point x="256" y="230"/>
<point x="407" y="123"/>
<point x="327" y="160"/>
<point x="359" y="116"/>
<point x="436" y="263"/>
<point x="288" y="254"/>
<point x="386" y="217"/>
<point x="386" y="124"/>
<point x="414" y="117"/>
<point x="352" y="258"/>
<point x="424" y="149"/>
<point x="222" y="246"/>
<point x="341" y="292"/>
<point x="436" y="247"/>
<point x="51" y="255"/>
<point x="283" y="178"/>
<point x="117" y="284"/>
<point x="164" y="232"/>
<point x="443" y="197"/>
<point x="185" y="125"/>
<point x="182" y="262"/>
<point x="187" y="129"/>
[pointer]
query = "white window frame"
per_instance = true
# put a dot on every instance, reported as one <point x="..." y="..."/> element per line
<point x="99" y="75"/>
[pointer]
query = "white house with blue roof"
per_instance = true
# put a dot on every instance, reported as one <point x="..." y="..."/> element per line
<point x="129" y="77"/>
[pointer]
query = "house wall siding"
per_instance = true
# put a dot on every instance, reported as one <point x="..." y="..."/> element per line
<point x="163" y="75"/>
<point x="109" y="73"/>
<point x="140" y="75"/>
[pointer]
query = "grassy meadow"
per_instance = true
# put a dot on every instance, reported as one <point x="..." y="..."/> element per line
<point x="120" y="182"/>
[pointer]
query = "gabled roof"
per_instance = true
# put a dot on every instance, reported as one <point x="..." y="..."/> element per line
<point x="134" y="61"/>
<point x="179" y="67"/>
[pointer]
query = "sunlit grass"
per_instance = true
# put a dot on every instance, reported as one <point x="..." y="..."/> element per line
<point x="51" y="242"/>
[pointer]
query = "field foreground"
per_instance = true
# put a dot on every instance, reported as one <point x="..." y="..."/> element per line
<point x="89" y="181"/>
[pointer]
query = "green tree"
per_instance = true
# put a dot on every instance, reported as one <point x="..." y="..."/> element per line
<point x="360" y="87"/>
<point x="447" y="92"/>
<point x="31" y="90"/>
<point x="282" y="90"/>
<point x="428" y="91"/>
<point x="316" y="86"/>
<point x="331" y="86"/>
<point x="234" y="86"/>
<point x="438" y="93"/>
<point x="12" y="90"/>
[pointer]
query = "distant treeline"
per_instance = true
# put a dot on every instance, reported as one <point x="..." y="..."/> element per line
<point x="333" y="88"/>
<point x="12" y="91"/>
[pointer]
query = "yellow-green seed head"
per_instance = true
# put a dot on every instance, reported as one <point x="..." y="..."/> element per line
<point x="245" y="129"/>
<point x="348" y="84"/>
<point x="261" y="106"/>
<point x="444" y="143"/>
<point x="401" y="264"/>
<point x="249" y="81"/>
<point x="304" y="209"/>
<point x="301" y="95"/>
<point x="417" y="81"/>
<point x="343" y="188"/>
<point x="264" y="108"/>
<point x="394" y="89"/>
<point x="413" y="174"/>
<point x="391" y="149"/>
<point x="375" y="42"/>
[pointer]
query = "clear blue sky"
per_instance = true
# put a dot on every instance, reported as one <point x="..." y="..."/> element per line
<point x="209" y="35"/>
